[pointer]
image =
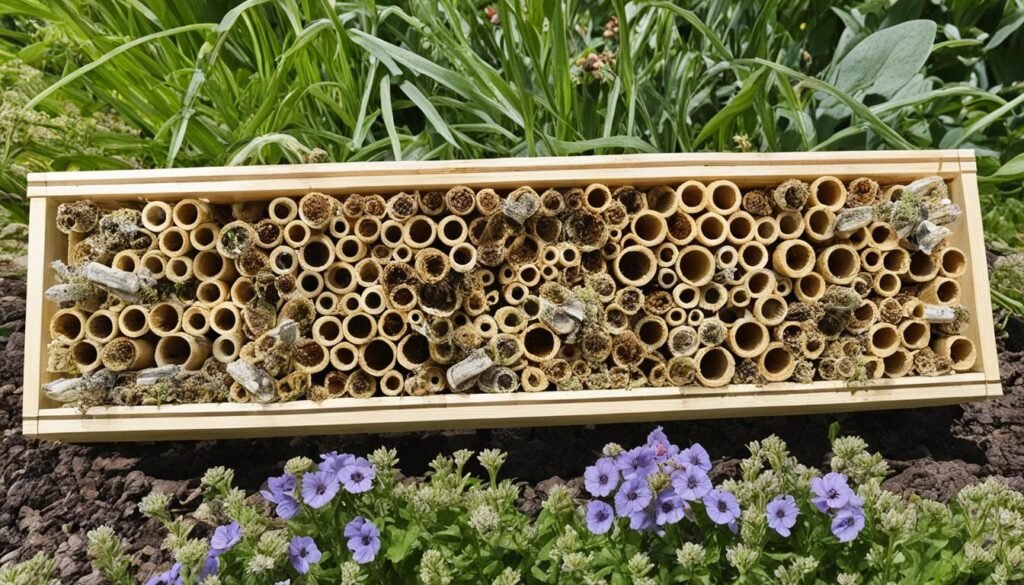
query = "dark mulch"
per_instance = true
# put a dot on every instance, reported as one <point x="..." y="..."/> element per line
<point x="51" y="494"/>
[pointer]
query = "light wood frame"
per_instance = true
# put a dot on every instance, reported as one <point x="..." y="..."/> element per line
<point x="44" y="418"/>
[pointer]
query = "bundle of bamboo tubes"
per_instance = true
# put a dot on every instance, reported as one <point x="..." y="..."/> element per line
<point x="478" y="290"/>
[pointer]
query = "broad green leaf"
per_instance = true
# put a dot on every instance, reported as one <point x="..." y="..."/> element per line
<point x="753" y="86"/>
<point x="429" y="111"/>
<point x="1013" y="170"/>
<point x="883" y="62"/>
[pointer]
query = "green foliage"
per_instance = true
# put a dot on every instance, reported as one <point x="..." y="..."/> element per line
<point x="454" y="527"/>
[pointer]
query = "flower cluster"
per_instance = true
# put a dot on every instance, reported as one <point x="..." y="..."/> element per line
<point x="832" y="495"/>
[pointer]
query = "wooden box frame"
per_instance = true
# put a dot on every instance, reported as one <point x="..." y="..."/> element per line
<point x="43" y="418"/>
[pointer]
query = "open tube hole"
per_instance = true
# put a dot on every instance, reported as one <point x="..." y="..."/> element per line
<point x="713" y="364"/>
<point x="777" y="360"/>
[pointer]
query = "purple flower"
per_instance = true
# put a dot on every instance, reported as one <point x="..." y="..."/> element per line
<point x="633" y="496"/>
<point x="642" y="520"/>
<point x="363" y="539"/>
<point x="334" y="462"/>
<point x="848" y="523"/>
<point x="601" y="478"/>
<point x="669" y="508"/>
<point x="832" y="491"/>
<point x="319" y="488"/>
<point x="210" y="567"/>
<point x="721" y="507"/>
<point x="278" y="487"/>
<point x="691" y="483"/>
<point x="224" y="537"/>
<point x="637" y="463"/>
<point x="302" y="551"/>
<point x="287" y="508"/>
<point x="599" y="517"/>
<point x="357" y="476"/>
<point x="782" y="513"/>
<point x="695" y="456"/>
<point x="663" y="448"/>
<point x="168" y="577"/>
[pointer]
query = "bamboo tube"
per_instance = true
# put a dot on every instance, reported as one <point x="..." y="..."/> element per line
<point x="85" y="353"/>
<point x="179" y="269"/>
<point x="350" y="249"/>
<point x="819" y="224"/>
<point x="317" y="254"/>
<point x="242" y="291"/>
<point x="748" y="338"/>
<point x="760" y="283"/>
<point x="533" y="379"/>
<point x="340" y="278"/>
<point x="723" y="197"/>
<point x="402" y="298"/>
<point x="776" y="363"/>
<point x="682" y="341"/>
<point x="452" y="230"/>
<point x="485" y="325"/>
<point x="810" y="288"/>
<point x="740" y="228"/>
<point x="283" y="210"/>
<point x="636" y="266"/>
<point x="235" y="237"/>
<point x="309" y="357"/>
<point x="309" y="284"/>
<point x="413" y="351"/>
<point x="102" y="326"/>
<point x="752" y="256"/>
<point x="713" y="297"/>
<point x="838" y="264"/>
<point x="390" y="233"/>
<point x="488" y="202"/>
<point x="921" y="268"/>
<point x="896" y="261"/>
<point x="209" y="265"/>
<point x="296" y="233"/>
<point x="942" y="291"/>
<point x="770" y="310"/>
<point x="165" y="319"/>
<point x="189" y="213"/>
<point x="915" y="333"/>
<point x="432" y="265"/>
<point x="127" y="260"/>
<point x="726" y="258"/>
<point x="791" y="195"/>
<point x="812" y="346"/>
<point x="250" y="211"/>
<point x="327" y="303"/>
<point x="204" y="236"/>
<point x="195" y="320"/>
<point x="514" y="293"/>
<point x="182" y="349"/>
<point x="344" y="356"/>
<point x="863" y="317"/>
<point x="539" y="343"/>
<point x="692" y="197"/>
<point x="529" y="275"/>
<point x="650" y="228"/>
<point x="419" y="232"/>
<point x="882" y="236"/>
<point x="431" y="203"/>
<point x="372" y="300"/>
<point x="952" y="262"/>
<point x="317" y="209"/>
<point x="666" y="278"/>
<point x="460" y="200"/>
<point x="462" y="258"/>
<point x="883" y="339"/>
<point x="132" y="321"/>
<point x="174" y="241"/>
<point x="651" y="331"/>
<point x="662" y="199"/>
<point x="715" y="367"/>
<point x="367" y="229"/>
<point x="225" y="318"/>
<point x="766" y="230"/>
<point x="858" y="238"/>
<point x="392" y="324"/>
<point x="359" y="328"/>
<point x="793" y="258"/>
<point x="227" y="348"/>
<point x="377" y="356"/>
<point x="327" y="331"/>
<point x="681" y="228"/>
<point x="596" y="198"/>
<point x="828" y="192"/>
<point x="156" y="216"/>
<point x="695" y="266"/>
<point x="886" y="283"/>
<point x="958" y="349"/>
<point x="790" y="225"/>
<point x="392" y="383"/>
<point x="155" y="263"/>
<point x="898" y="363"/>
<point x="711" y="229"/>
<point x="334" y="383"/>
<point x="871" y="260"/>
<point x="125" y="354"/>
<point x="686" y="295"/>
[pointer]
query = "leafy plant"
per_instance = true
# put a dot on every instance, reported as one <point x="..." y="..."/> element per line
<point x="654" y="517"/>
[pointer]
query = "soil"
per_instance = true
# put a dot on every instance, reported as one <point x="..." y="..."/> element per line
<point x="51" y="494"/>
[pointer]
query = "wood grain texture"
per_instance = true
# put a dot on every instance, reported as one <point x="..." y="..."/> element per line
<point x="44" y="418"/>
